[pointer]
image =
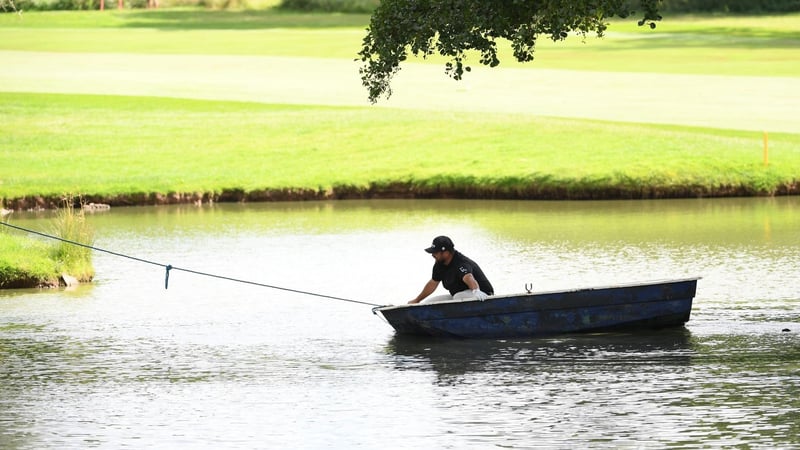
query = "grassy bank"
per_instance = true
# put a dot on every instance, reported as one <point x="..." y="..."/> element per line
<point x="122" y="149"/>
<point x="29" y="262"/>
<point x="25" y="262"/>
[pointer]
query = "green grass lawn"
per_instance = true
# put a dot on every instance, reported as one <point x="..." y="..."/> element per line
<point x="112" y="145"/>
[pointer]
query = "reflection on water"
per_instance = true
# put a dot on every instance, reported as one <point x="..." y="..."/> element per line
<point x="212" y="364"/>
<point x="641" y="390"/>
<point x="449" y="357"/>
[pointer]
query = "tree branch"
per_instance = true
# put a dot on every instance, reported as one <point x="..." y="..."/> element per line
<point x="453" y="27"/>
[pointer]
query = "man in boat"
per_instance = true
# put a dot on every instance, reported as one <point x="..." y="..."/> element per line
<point x="459" y="274"/>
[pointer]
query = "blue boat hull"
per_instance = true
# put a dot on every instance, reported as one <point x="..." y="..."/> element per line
<point x="636" y="306"/>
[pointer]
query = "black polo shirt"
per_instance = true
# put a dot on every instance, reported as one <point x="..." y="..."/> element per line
<point x="452" y="275"/>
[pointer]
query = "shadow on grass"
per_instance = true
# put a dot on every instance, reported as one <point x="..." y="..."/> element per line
<point x="196" y="19"/>
<point x="202" y="19"/>
<point x="717" y="38"/>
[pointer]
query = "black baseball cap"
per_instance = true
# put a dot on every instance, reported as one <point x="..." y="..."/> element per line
<point x="440" y="244"/>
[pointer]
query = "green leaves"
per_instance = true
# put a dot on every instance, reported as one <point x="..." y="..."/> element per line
<point x="453" y="27"/>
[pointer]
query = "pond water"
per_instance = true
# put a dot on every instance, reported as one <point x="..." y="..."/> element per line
<point x="211" y="363"/>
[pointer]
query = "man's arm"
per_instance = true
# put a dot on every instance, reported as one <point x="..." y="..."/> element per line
<point x="471" y="283"/>
<point x="430" y="286"/>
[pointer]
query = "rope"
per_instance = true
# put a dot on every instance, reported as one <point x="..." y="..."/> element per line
<point x="170" y="267"/>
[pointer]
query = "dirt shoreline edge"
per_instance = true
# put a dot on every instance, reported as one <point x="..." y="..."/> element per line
<point x="402" y="190"/>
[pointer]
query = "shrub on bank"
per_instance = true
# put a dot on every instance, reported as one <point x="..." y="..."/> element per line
<point x="74" y="5"/>
<point x="64" y="5"/>
<point x="82" y="5"/>
<point x="71" y="225"/>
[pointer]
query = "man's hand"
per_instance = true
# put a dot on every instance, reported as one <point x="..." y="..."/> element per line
<point x="479" y="294"/>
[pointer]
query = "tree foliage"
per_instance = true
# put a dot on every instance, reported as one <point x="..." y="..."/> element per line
<point x="7" y="5"/>
<point x="453" y="27"/>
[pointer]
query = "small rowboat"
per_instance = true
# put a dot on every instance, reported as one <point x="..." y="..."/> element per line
<point x="651" y="305"/>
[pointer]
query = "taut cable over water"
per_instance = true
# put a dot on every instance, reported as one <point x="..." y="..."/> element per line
<point x="169" y="267"/>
